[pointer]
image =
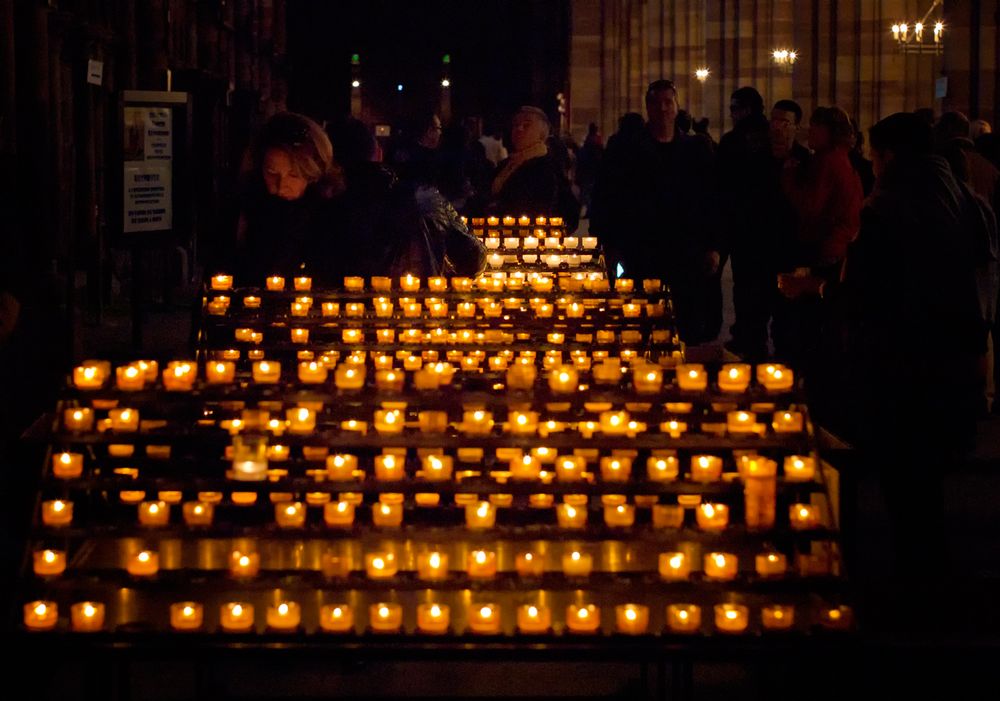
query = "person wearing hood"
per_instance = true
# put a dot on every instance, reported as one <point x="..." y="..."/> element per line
<point x="914" y="329"/>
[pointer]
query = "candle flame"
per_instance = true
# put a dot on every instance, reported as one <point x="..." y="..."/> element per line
<point x="65" y="458"/>
<point x="486" y="612"/>
<point x="154" y="509"/>
<point x="480" y="557"/>
<point x="834" y="614"/>
<point x="582" y="613"/>
<point x="383" y="611"/>
<point x="731" y="614"/>
<point x="40" y="609"/>
<point x="290" y="510"/>
<point x="58" y="505"/>
<point x="237" y="610"/>
<point x="244" y="561"/>
<point x="49" y="556"/>
<point x="575" y="555"/>
<point x="337" y="613"/>
<point x="483" y="510"/>
<point x="143" y="556"/>
<point x="283" y="609"/>
<point x="187" y="611"/>
<point x="435" y="611"/>
<point x="434" y="560"/>
<point x="720" y="560"/>
<point x="630" y="614"/>
<point x="677" y="561"/>
<point x="682" y="615"/>
<point x="198" y="509"/>
<point x="341" y="506"/>
<point x="532" y="612"/>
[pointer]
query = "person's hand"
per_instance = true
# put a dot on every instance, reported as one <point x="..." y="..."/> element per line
<point x="10" y="310"/>
<point x="796" y="286"/>
<point x="712" y="260"/>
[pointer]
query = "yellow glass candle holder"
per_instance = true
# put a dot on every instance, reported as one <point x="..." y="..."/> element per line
<point x="389" y="421"/>
<point x="387" y="515"/>
<point x="788" y="422"/>
<point x="777" y="617"/>
<point x="49" y="563"/>
<point x="179" y="376"/>
<point x="731" y="618"/>
<point x="389" y="468"/>
<point x="236" y="617"/>
<point x="484" y="619"/>
<point x="481" y="515"/>
<point x="130" y="378"/>
<point x="799" y="468"/>
<point x="721" y="566"/>
<point x="244" y="564"/>
<point x="803" y="517"/>
<point x="569" y="516"/>
<point x="577" y="564"/>
<point x="67" y="465"/>
<point x="336" y="618"/>
<point x="533" y="620"/>
<point x="145" y="563"/>
<point x="284" y="617"/>
<point x="712" y="517"/>
<point x="734" y="377"/>
<point x="432" y="566"/>
<point x="186" y="615"/>
<point x="619" y="516"/>
<point x="341" y="467"/>
<point x="381" y="565"/>
<point x="198" y="513"/>
<point x="583" y="619"/>
<point x="771" y="564"/>
<point x="706" y="468"/>
<point x="684" y="618"/>
<point x="57" y="512"/>
<point x="124" y="420"/>
<point x="78" y="419"/>
<point x="433" y="618"/>
<point x="385" y="617"/>
<point x="266" y="372"/>
<point x="662" y="468"/>
<point x="154" y="513"/>
<point x="616" y="469"/>
<point x="482" y="564"/>
<point x="692" y="377"/>
<point x="674" y="566"/>
<point x="631" y="619"/>
<point x="529" y="564"/>
<point x="349" y="377"/>
<point x="290" y="515"/>
<point x="41" y="615"/>
<point x="775" y="378"/>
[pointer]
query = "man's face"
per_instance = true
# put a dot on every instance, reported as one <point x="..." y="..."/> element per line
<point x="661" y="107"/>
<point x="738" y="111"/>
<point x="782" y="130"/>
<point x="526" y="130"/>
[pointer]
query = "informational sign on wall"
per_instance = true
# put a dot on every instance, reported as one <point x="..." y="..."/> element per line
<point x="148" y="155"/>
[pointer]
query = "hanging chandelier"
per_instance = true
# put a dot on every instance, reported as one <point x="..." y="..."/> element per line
<point x="920" y="37"/>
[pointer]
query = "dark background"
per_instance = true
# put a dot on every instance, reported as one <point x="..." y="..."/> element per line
<point x="504" y="53"/>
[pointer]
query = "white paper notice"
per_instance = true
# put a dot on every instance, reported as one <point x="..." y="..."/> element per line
<point x="148" y="152"/>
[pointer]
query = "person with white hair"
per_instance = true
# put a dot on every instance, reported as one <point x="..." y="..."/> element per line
<point x="529" y="181"/>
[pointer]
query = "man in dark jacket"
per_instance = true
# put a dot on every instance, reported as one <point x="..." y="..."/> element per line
<point x="649" y="209"/>
<point x="745" y="183"/>
<point x="530" y="181"/>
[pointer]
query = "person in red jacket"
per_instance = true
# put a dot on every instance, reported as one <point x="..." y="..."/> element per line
<point x="826" y="196"/>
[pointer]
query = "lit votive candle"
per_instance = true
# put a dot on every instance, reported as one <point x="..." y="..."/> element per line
<point x="583" y="619"/>
<point x="49" y="563"/>
<point x="731" y="618"/>
<point x="577" y="564"/>
<point x="734" y="377"/>
<point x="631" y="619"/>
<point x="222" y="282"/>
<point x="300" y="335"/>
<point x="341" y="467"/>
<point x="348" y="376"/>
<point x="312" y="373"/>
<point x="533" y="619"/>
<point x="124" y="419"/>
<point x="616" y="469"/>
<point x="570" y="468"/>
<point x="385" y="617"/>
<point x="482" y="564"/>
<point x="523" y="422"/>
<point x="41" y="615"/>
<point x="722" y="566"/>
<point x="389" y="380"/>
<point x="354" y="426"/>
<point x="799" y="468"/>
<point x="144" y="563"/>
<point x="186" y="615"/>
<point x="692" y="377"/>
<point x="619" y="516"/>
<point x="803" y="516"/>
<point x="284" y="617"/>
<point x="569" y="516"/>
<point x="409" y="283"/>
<point x="198" y="513"/>
<point x="777" y="617"/>
<point x="154" y="513"/>
<point x="236" y="617"/>
<point x="90" y="376"/>
<point x="775" y="378"/>
<point x="130" y="378"/>
<point x="302" y="283"/>
<point x="433" y="619"/>
<point x="647" y="379"/>
<point x="387" y="515"/>
<point x="251" y="302"/>
<point x="771" y="564"/>
<point x="389" y="468"/>
<point x="480" y="515"/>
<point x="389" y="421"/>
<point x="674" y="566"/>
<point x="432" y="566"/>
<point x="291" y="515"/>
<point x="220" y="372"/>
<point x="57" y="512"/>
<point x="301" y="420"/>
<point x="706" y="468"/>
<point x="614" y="423"/>
<point x="437" y="468"/>
<point x="87" y="616"/>
<point x="741" y="422"/>
<point x="525" y="469"/>
<point x="244" y="565"/>
<point x="484" y="619"/>
<point x="67" y="465"/>
<point x="683" y="618"/>
<point x="564" y="379"/>
<point x="712" y="517"/>
<point x="275" y="283"/>
<point x="787" y="422"/>
<point x="338" y="514"/>
<point x="266" y="372"/>
<point x="336" y="618"/>
<point x="836" y="617"/>
<point x="529" y="564"/>
<point x="662" y="468"/>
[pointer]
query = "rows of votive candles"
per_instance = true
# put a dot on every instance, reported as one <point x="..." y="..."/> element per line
<point x="478" y="422"/>
<point x="480" y="564"/>
<point x="384" y="308"/>
<point x="482" y="618"/>
<point x="496" y="281"/>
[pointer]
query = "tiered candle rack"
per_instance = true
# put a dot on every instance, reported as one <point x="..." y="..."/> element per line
<point x="535" y="244"/>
